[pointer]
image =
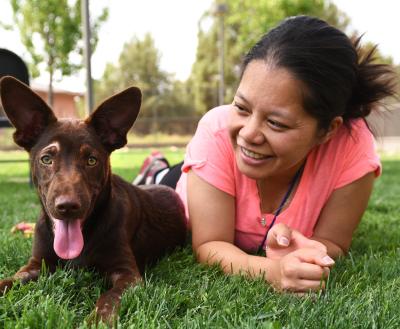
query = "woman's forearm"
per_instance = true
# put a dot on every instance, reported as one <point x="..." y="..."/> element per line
<point x="232" y="260"/>
<point x="300" y="271"/>
<point x="333" y="249"/>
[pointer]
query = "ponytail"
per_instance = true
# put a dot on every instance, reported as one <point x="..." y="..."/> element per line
<point x="373" y="83"/>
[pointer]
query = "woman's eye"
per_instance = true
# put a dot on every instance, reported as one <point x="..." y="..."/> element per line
<point x="46" y="160"/>
<point x="239" y="107"/>
<point x="276" y="124"/>
<point x="92" y="161"/>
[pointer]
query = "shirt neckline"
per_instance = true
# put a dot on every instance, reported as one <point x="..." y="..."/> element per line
<point x="292" y="202"/>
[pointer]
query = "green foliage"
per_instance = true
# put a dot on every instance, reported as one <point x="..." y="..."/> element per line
<point x="245" y="22"/>
<point x="363" y="290"/>
<point x="51" y="31"/>
<point x="139" y="65"/>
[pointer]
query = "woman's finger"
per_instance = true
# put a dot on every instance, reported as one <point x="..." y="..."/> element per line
<point x="308" y="271"/>
<point x="306" y="242"/>
<point x="301" y="285"/>
<point x="313" y="256"/>
<point x="279" y="236"/>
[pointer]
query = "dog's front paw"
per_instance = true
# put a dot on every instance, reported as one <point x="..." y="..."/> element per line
<point x="5" y="285"/>
<point x="94" y="320"/>
<point x="107" y="308"/>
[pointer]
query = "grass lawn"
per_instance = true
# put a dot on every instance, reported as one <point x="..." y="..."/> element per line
<point x="363" y="290"/>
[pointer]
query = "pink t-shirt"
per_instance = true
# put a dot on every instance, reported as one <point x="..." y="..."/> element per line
<point x="342" y="160"/>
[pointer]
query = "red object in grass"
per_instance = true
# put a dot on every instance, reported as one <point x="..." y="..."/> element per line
<point x="26" y="228"/>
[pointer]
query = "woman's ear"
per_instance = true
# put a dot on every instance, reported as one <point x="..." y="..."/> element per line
<point x="334" y="126"/>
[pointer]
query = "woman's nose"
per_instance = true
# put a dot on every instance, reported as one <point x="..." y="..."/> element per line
<point x="251" y="132"/>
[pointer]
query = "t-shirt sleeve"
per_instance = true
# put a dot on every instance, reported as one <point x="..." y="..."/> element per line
<point x="359" y="155"/>
<point x="209" y="154"/>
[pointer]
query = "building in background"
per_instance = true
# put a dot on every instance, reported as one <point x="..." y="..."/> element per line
<point x="66" y="102"/>
<point x="385" y="124"/>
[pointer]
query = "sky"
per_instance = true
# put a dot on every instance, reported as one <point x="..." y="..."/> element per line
<point x="174" y="26"/>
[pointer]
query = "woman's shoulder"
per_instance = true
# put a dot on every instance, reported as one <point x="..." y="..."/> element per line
<point x="212" y="133"/>
<point x="349" y="155"/>
<point x="216" y="119"/>
<point x="350" y="144"/>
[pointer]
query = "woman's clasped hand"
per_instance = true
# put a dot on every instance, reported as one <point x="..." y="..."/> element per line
<point x="300" y="264"/>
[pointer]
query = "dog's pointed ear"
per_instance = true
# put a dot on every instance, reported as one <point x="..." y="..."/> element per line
<point x="115" y="116"/>
<point x="29" y="113"/>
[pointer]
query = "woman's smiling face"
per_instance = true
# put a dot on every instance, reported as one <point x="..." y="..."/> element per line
<point x="270" y="131"/>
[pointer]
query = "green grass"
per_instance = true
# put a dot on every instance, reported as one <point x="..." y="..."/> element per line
<point x="363" y="290"/>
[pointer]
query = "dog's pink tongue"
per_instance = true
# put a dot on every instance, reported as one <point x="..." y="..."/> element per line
<point x="68" y="238"/>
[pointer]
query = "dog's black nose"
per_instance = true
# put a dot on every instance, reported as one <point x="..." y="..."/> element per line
<point x="67" y="205"/>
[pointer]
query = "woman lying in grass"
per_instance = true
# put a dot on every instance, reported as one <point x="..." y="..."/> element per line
<point x="289" y="166"/>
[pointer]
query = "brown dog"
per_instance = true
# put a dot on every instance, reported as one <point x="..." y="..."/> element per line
<point x="90" y="218"/>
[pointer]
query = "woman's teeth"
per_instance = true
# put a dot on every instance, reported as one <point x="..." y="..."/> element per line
<point x="253" y="155"/>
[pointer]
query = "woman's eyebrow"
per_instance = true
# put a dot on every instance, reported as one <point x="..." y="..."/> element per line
<point x="241" y="96"/>
<point x="281" y="114"/>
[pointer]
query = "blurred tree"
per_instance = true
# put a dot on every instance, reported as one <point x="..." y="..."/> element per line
<point x="139" y="65"/>
<point x="52" y="33"/>
<point x="245" y="22"/>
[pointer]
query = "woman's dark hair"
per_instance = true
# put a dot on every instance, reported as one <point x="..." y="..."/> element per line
<point x="339" y="79"/>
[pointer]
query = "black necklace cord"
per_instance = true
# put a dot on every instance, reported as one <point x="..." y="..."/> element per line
<point x="283" y="202"/>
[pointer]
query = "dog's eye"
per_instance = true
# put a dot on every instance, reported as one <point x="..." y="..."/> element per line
<point x="91" y="161"/>
<point x="46" y="159"/>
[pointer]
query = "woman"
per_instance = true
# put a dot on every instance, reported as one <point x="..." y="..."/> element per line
<point x="289" y="166"/>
